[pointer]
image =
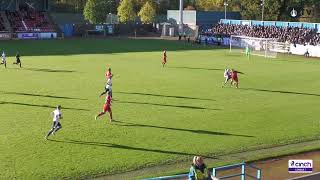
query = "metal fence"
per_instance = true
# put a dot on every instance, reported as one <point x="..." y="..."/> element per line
<point x="243" y="174"/>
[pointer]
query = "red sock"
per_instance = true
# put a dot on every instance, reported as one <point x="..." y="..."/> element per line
<point x="110" y="115"/>
<point x="102" y="113"/>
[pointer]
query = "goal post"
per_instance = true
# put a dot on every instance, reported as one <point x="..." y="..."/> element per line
<point x="265" y="47"/>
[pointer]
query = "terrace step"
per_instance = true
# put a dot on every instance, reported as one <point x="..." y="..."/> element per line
<point x="6" y="21"/>
<point x="51" y="21"/>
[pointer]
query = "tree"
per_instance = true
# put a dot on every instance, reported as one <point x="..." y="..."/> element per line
<point x="272" y="10"/>
<point x="163" y="6"/>
<point x="126" y="12"/>
<point x="174" y="4"/>
<point x="252" y="9"/>
<point x="147" y="13"/>
<point x="95" y="11"/>
<point x="209" y="4"/>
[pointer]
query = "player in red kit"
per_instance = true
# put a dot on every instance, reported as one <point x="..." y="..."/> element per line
<point x="234" y="77"/>
<point x="109" y="74"/>
<point x="164" y="58"/>
<point x="106" y="108"/>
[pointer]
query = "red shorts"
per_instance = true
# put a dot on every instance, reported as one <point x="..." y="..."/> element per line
<point x="235" y="79"/>
<point x="106" y="108"/>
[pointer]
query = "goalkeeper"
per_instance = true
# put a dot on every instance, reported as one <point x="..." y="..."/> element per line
<point x="248" y="51"/>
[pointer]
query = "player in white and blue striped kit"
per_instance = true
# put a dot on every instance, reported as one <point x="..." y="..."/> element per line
<point x="108" y="88"/>
<point x="56" y="126"/>
<point x="4" y="61"/>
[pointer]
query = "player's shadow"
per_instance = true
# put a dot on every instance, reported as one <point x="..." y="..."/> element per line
<point x="118" y="146"/>
<point x="40" y="95"/>
<point x="49" y="70"/>
<point x="38" y="105"/>
<point x="196" y="68"/>
<point x="165" y="105"/>
<point x="278" y="91"/>
<point x="196" y="131"/>
<point x="168" y="96"/>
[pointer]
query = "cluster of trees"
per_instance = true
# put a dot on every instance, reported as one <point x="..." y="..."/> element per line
<point x="280" y="9"/>
<point x="96" y="10"/>
<point x="308" y="10"/>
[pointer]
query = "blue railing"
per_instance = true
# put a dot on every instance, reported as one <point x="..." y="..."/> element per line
<point x="242" y="174"/>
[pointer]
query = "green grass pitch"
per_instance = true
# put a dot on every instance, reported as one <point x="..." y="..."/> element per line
<point x="162" y="114"/>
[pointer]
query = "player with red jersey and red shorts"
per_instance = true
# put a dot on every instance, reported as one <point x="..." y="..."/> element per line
<point x="164" y="58"/>
<point x="106" y="108"/>
<point x="234" y="77"/>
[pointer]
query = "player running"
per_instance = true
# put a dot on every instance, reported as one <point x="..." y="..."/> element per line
<point x="56" y="126"/>
<point x="106" y="108"/>
<point x="109" y="74"/>
<point x="18" y="61"/>
<point x="234" y="77"/>
<point x="108" y="88"/>
<point x="4" y="61"/>
<point x="227" y="76"/>
<point x="164" y="58"/>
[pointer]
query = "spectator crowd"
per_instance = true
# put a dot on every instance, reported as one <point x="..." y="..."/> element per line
<point x="28" y="19"/>
<point x="2" y="28"/>
<point x="282" y="34"/>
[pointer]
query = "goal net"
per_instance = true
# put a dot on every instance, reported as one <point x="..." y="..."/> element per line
<point x="257" y="46"/>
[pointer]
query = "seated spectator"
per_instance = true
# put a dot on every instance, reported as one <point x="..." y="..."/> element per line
<point x="28" y="19"/>
<point x="199" y="171"/>
<point x="282" y="34"/>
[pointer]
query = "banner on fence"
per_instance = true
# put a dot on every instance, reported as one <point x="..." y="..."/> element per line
<point x="45" y="35"/>
<point x="4" y="36"/>
<point x="298" y="49"/>
<point x="28" y="35"/>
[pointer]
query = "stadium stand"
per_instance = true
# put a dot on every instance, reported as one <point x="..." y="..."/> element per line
<point x="294" y="35"/>
<point x="29" y="20"/>
<point x="15" y="21"/>
<point x="2" y="27"/>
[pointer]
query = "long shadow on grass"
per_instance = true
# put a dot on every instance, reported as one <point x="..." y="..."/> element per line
<point x="284" y="92"/>
<point x="49" y="70"/>
<point x="196" y="68"/>
<point x="197" y="131"/>
<point x="118" y="146"/>
<point x="40" y="95"/>
<point x="37" y="105"/>
<point x="96" y="46"/>
<point x="165" y="105"/>
<point x="169" y="96"/>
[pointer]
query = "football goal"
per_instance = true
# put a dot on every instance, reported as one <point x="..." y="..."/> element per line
<point x="265" y="47"/>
